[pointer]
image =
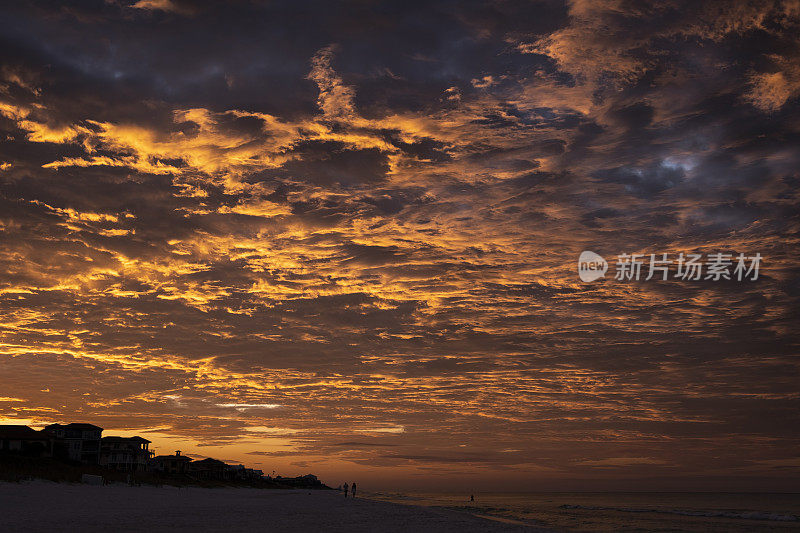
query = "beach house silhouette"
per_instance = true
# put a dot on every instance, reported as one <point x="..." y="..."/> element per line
<point x="82" y="443"/>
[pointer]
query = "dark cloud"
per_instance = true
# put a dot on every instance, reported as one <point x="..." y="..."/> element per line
<point x="643" y="182"/>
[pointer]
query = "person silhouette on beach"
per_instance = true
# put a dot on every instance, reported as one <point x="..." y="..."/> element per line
<point x="345" y="490"/>
<point x="353" y="489"/>
<point x="472" y="497"/>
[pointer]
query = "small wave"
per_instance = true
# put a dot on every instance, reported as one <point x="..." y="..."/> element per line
<point x="479" y="508"/>
<point x="745" y="515"/>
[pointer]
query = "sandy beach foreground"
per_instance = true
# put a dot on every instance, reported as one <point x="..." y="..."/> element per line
<point x="44" y="506"/>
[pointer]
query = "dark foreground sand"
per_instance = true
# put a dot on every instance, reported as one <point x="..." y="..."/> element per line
<point x="44" y="506"/>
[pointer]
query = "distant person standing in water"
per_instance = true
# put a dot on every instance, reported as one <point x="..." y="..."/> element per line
<point x="353" y="490"/>
<point x="472" y="497"/>
<point x="345" y="490"/>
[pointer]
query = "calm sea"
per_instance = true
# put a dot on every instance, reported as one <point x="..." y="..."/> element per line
<point x="648" y="511"/>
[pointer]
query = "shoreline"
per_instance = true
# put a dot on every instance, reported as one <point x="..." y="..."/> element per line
<point x="614" y="511"/>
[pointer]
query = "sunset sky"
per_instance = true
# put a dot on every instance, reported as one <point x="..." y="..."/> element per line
<point x="341" y="238"/>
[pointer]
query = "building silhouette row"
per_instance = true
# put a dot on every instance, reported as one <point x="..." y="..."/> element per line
<point x="85" y="444"/>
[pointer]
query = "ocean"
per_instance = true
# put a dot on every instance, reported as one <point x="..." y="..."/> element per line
<point x="615" y="511"/>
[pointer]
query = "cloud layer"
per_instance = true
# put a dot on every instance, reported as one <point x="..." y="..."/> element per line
<point x="349" y="241"/>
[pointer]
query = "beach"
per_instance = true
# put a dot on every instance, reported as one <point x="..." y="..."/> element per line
<point x="45" y="506"/>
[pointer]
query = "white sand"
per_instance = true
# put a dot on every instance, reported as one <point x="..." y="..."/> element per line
<point x="44" y="506"/>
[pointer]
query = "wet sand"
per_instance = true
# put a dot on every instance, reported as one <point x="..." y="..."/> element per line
<point x="44" y="506"/>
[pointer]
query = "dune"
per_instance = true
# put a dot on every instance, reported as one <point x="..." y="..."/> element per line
<point x="46" y="506"/>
